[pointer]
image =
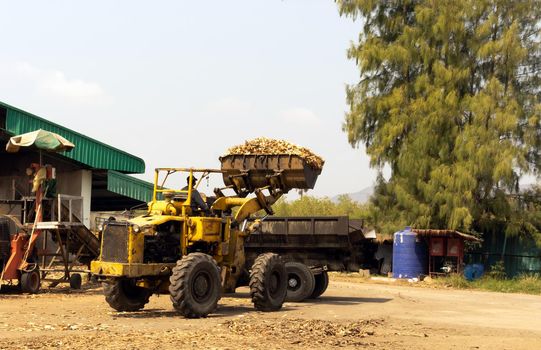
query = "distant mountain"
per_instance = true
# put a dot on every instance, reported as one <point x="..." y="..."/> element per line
<point x="362" y="196"/>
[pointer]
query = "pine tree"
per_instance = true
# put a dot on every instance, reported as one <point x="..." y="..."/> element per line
<point x="449" y="98"/>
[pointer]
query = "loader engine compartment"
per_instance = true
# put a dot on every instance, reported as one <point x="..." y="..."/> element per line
<point x="164" y="245"/>
<point x="161" y="246"/>
<point x="115" y="242"/>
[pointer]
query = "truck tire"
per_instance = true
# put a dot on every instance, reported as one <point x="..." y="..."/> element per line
<point x="76" y="281"/>
<point x="322" y="282"/>
<point x="195" y="285"/>
<point x="125" y="295"/>
<point x="300" y="281"/>
<point x="268" y="282"/>
<point x="30" y="281"/>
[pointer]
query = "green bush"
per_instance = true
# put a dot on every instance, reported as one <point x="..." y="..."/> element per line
<point x="453" y="281"/>
<point x="528" y="283"/>
<point x="497" y="271"/>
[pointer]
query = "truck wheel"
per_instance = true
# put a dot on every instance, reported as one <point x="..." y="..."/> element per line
<point x="30" y="282"/>
<point x="300" y="281"/>
<point x="322" y="282"/>
<point x="268" y="282"/>
<point x="195" y="285"/>
<point x="76" y="281"/>
<point x="125" y="295"/>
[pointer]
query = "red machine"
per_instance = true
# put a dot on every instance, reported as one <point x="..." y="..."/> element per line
<point x="450" y="250"/>
<point x="445" y="250"/>
<point x="65" y="241"/>
<point x="21" y="264"/>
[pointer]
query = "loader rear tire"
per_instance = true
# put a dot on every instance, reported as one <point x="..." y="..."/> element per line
<point x="268" y="282"/>
<point x="322" y="282"/>
<point x="195" y="285"/>
<point x="300" y="282"/>
<point x="125" y="295"/>
<point x="30" y="281"/>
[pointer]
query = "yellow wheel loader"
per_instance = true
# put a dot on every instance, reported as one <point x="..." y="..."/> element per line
<point x="191" y="246"/>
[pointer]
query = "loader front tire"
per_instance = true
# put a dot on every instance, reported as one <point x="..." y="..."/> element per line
<point x="268" y="282"/>
<point x="195" y="285"/>
<point x="125" y="295"/>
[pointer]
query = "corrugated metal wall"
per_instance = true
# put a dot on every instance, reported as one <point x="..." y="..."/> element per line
<point x="521" y="256"/>
<point x="88" y="151"/>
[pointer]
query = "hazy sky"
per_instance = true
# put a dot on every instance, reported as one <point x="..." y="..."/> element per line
<point x="176" y="82"/>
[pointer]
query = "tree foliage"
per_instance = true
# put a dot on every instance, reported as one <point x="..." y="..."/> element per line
<point x="313" y="206"/>
<point x="449" y="99"/>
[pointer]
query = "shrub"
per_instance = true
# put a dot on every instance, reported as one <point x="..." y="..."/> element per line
<point x="497" y="271"/>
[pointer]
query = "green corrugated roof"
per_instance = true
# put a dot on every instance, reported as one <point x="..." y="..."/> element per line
<point x="129" y="186"/>
<point x="88" y="151"/>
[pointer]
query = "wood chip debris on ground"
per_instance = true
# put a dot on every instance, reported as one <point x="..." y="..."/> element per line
<point x="266" y="146"/>
<point x="302" y="331"/>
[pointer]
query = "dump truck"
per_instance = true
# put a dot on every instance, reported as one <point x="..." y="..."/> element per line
<point x="310" y="247"/>
<point x="192" y="246"/>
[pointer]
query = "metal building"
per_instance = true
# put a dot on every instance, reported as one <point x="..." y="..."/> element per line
<point x="93" y="170"/>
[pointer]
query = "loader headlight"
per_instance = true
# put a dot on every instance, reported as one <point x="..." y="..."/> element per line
<point x="100" y="227"/>
<point x="136" y="228"/>
<point x="147" y="229"/>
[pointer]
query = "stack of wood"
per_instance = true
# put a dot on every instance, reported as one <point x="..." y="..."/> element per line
<point x="266" y="146"/>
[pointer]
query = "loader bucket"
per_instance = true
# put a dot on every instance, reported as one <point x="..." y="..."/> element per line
<point x="283" y="172"/>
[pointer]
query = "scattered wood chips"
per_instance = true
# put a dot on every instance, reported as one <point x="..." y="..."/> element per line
<point x="266" y="146"/>
<point x="308" y="333"/>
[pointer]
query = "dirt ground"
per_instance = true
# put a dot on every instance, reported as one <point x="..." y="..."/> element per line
<point x="349" y="315"/>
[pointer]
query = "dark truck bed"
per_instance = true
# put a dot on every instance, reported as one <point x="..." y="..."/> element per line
<point x="332" y="242"/>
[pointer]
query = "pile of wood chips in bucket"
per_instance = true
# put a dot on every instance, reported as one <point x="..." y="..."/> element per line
<point x="266" y="146"/>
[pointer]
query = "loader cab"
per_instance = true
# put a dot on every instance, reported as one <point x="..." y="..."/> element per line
<point x="198" y="201"/>
<point x="186" y="201"/>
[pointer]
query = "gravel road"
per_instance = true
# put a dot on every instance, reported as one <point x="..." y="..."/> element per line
<point x="349" y="315"/>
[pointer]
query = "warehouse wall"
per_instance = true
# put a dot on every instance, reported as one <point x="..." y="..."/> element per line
<point x="13" y="173"/>
<point x="77" y="183"/>
<point x="71" y="180"/>
<point x="6" y="192"/>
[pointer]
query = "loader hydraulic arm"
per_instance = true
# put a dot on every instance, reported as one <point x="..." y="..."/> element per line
<point x="248" y="206"/>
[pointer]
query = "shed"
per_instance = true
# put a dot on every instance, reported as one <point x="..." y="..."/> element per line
<point x="94" y="170"/>
<point x="445" y="249"/>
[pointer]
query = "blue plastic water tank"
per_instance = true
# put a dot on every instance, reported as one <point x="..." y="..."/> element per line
<point x="409" y="255"/>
